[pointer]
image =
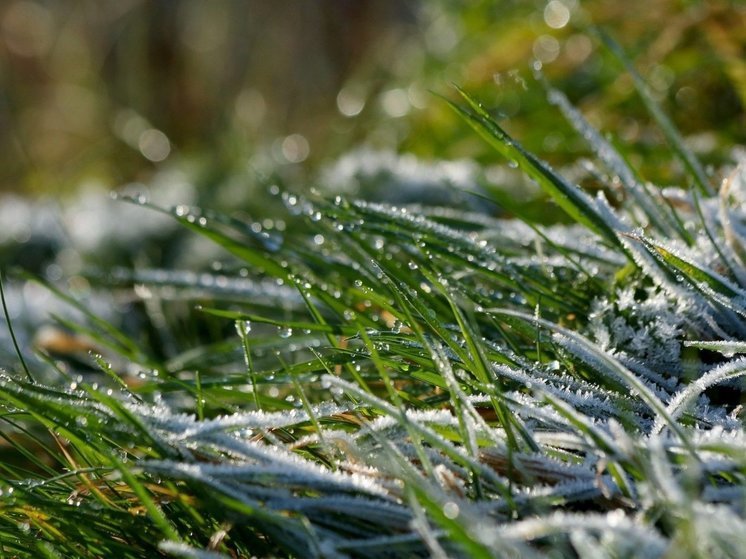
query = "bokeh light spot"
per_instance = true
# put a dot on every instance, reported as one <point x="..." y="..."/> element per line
<point x="295" y="148"/>
<point x="395" y="102"/>
<point x="154" y="145"/>
<point x="349" y="102"/>
<point x="556" y="14"/>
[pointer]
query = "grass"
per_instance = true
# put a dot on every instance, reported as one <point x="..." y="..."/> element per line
<point x="381" y="381"/>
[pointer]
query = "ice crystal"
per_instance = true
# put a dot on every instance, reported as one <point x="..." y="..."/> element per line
<point x="643" y="323"/>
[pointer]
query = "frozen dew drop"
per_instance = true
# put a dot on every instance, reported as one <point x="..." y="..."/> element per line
<point x="243" y="327"/>
<point x="450" y="510"/>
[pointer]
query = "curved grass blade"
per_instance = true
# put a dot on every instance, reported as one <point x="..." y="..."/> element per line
<point x="102" y="331"/>
<point x="425" y="433"/>
<point x="589" y="352"/>
<point x="306" y="327"/>
<point x="9" y="322"/>
<point x="685" y="397"/>
<point x="570" y="198"/>
<point x="689" y="160"/>
<point x="654" y="209"/>
<point x="262" y="259"/>
<point x="729" y="263"/>
<point x="726" y="347"/>
<point x="713" y="286"/>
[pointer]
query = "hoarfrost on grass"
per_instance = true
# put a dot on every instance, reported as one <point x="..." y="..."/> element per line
<point x="401" y="179"/>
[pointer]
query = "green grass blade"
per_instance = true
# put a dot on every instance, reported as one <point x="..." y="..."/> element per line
<point x="570" y="198"/>
<point x="656" y="211"/>
<point x="593" y="355"/>
<point x="727" y="348"/>
<point x="685" y="155"/>
<point x="712" y="285"/>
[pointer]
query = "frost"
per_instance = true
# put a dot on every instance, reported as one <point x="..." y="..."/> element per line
<point x="637" y="538"/>
<point x="644" y="323"/>
<point x="651" y="206"/>
<point x="191" y="285"/>
<point x="541" y="370"/>
<point x="278" y="472"/>
<point x="401" y="179"/>
<point x="685" y="397"/>
<point x="727" y="348"/>
<point x="180" y="549"/>
<point x="186" y="426"/>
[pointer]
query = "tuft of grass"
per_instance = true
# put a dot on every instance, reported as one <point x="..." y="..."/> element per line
<point x="379" y="380"/>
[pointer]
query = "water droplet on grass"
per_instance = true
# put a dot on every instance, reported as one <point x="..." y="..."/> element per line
<point x="243" y="327"/>
<point x="450" y="510"/>
<point x="181" y="210"/>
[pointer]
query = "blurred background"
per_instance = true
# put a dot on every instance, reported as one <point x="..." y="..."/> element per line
<point x="97" y="94"/>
